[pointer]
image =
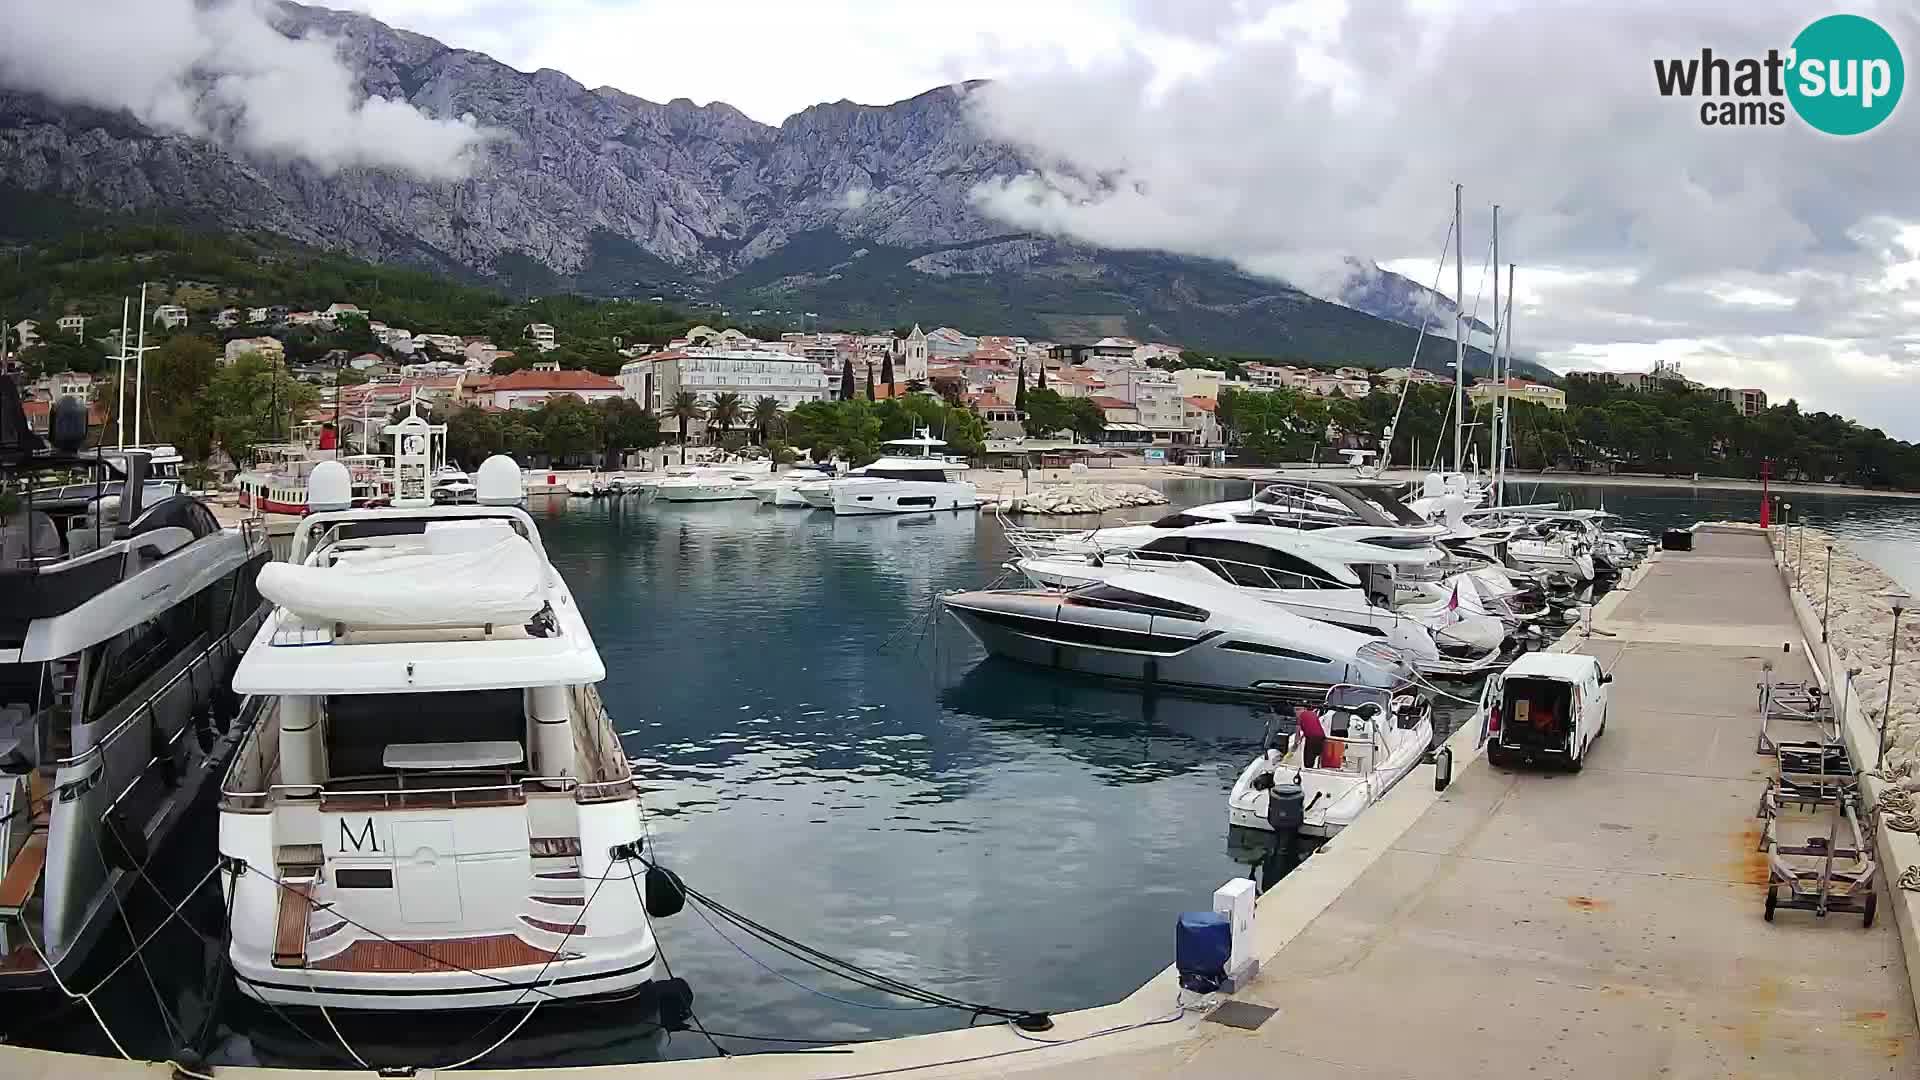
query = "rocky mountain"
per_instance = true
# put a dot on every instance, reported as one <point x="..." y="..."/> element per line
<point x="855" y="212"/>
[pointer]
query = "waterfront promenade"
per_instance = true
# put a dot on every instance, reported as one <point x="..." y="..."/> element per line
<point x="1522" y="924"/>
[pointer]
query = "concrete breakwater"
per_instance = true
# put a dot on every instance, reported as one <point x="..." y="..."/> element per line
<point x="1858" y="617"/>
<point x="1073" y="499"/>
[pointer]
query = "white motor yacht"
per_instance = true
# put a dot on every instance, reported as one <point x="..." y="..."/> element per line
<point x="1373" y="740"/>
<point x="708" y="486"/>
<point x="434" y="811"/>
<point x="1335" y="581"/>
<point x="784" y="490"/>
<point x="904" y="482"/>
<point x="1175" y="631"/>
<point x="452" y="486"/>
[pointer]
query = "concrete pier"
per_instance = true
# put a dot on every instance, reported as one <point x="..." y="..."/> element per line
<point x="1521" y="924"/>
<point x="1606" y="924"/>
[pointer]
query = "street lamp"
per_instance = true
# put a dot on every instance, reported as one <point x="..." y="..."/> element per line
<point x="1898" y="601"/>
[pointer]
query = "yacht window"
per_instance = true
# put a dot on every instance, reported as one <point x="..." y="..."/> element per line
<point x="1274" y="650"/>
<point x="1181" y="521"/>
<point x="1117" y="599"/>
<point x="915" y="500"/>
<point x="134" y="655"/>
<point x="359" y="726"/>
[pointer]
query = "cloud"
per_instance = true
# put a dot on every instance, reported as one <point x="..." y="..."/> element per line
<point x="1308" y="132"/>
<point x="223" y="71"/>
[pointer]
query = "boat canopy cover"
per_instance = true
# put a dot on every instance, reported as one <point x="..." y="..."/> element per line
<point x="490" y="576"/>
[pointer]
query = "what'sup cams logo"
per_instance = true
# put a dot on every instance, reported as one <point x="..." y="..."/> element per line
<point x="1843" y="76"/>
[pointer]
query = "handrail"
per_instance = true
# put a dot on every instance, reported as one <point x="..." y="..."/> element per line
<point x="547" y="784"/>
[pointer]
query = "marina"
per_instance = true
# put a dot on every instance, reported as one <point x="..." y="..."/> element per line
<point x="1523" y="893"/>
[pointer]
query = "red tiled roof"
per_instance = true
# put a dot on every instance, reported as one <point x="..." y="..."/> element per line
<point x="554" y="380"/>
<point x="1112" y="403"/>
<point x="1203" y="404"/>
<point x="988" y="401"/>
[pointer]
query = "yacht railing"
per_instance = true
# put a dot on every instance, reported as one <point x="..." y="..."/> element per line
<point x="414" y="798"/>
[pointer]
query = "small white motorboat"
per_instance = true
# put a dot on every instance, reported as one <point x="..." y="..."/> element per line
<point x="783" y="490"/>
<point x="1373" y="739"/>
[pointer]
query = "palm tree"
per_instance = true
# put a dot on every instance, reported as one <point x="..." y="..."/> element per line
<point x="724" y="412"/>
<point x="765" y="415"/>
<point x="685" y="407"/>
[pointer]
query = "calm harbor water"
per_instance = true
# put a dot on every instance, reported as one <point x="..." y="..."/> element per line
<point x="826" y="756"/>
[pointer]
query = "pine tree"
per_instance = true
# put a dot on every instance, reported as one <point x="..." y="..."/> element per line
<point x="846" y="380"/>
<point x="1020" y="389"/>
<point x="886" y="369"/>
<point x="869" y="380"/>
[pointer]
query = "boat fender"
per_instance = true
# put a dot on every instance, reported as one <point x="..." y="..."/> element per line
<point x="203" y="732"/>
<point x="226" y="707"/>
<point x="126" y="845"/>
<point x="665" y="894"/>
<point x="675" y="1003"/>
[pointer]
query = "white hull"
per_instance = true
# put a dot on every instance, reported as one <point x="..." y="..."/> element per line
<point x="817" y="494"/>
<point x="863" y="495"/>
<point x="703" y="493"/>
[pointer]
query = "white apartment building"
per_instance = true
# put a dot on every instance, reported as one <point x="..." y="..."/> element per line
<point x="62" y="384"/>
<point x="654" y="380"/>
<point x="73" y="324"/>
<point x="1200" y="382"/>
<point x="170" y="315"/>
<point x="256" y="314"/>
<point x="541" y="334"/>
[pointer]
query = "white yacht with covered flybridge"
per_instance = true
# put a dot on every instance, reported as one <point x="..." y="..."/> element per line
<point x="909" y="478"/>
<point x="435" y="811"/>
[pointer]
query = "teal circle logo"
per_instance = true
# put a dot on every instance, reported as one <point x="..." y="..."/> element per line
<point x="1846" y="75"/>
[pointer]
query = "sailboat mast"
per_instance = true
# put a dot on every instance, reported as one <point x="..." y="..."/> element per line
<point x="139" y="364"/>
<point x="1459" y="335"/>
<point x="1506" y="323"/>
<point x="120" y="400"/>
<point x="1500" y="388"/>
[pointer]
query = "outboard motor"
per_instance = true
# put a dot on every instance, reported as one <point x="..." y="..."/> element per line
<point x="1286" y="808"/>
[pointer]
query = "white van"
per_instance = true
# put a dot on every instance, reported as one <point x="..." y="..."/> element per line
<point x="1545" y="706"/>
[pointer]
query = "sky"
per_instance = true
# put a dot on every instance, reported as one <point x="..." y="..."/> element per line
<point x="1285" y="135"/>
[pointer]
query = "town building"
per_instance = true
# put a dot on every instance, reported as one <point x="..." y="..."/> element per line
<point x="656" y="379"/>
<point x="257" y="315"/>
<point x="171" y="316"/>
<point x="1200" y="382"/>
<point x="1519" y="390"/>
<point x="529" y="388"/>
<point x="1746" y="400"/>
<point x="1325" y="385"/>
<point x="61" y="384"/>
<point x="1203" y="425"/>
<point x="1002" y="419"/>
<point x="73" y="324"/>
<point x="228" y="317"/>
<point x="1420" y="376"/>
<point x="946" y="343"/>
<point x="914" y="358"/>
<point x="541" y="335"/>
<point x="269" y="348"/>
<point x="25" y="335"/>
<point x="1152" y="351"/>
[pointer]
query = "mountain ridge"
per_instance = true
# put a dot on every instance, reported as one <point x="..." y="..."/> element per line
<point x="601" y="190"/>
